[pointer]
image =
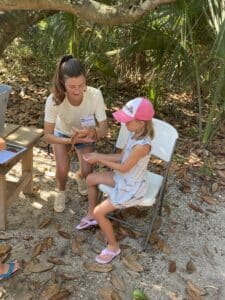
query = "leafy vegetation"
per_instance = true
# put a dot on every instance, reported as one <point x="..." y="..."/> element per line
<point x="178" y="47"/>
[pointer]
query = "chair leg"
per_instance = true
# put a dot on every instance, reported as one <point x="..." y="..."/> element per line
<point x="151" y="225"/>
<point x="124" y="223"/>
<point x="160" y="207"/>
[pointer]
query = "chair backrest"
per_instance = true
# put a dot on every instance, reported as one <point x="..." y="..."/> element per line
<point x="163" y="143"/>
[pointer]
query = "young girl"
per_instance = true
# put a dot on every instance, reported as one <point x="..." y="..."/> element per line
<point x="129" y="175"/>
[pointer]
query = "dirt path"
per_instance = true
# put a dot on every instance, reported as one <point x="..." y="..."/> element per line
<point x="191" y="232"/>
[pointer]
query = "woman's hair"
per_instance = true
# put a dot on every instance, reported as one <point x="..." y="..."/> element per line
<point x="67" y="67"/>
<point x="148" y="130"/>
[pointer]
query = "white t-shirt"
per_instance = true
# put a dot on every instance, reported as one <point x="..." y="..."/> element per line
<point x="65" y="115"/>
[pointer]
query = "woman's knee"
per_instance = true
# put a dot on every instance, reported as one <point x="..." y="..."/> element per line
<point x="62" y="171"/>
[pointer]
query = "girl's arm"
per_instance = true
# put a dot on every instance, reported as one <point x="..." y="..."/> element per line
<point x="137" y="153"/>
<point x="95" y="157"/>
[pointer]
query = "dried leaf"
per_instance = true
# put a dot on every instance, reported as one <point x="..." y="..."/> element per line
<point x="194" y="292"/>
<point x="154" y="238"/>
<point x="55" y="261"/>
<point x="38" y="267"/>
<point x="209" y="200"/>
<point x="157" y="224"/>
<point x="204" y="189"/>
<point x="162" y="246"/>
<point x="133" y="257"/>
<point x="118" y="282"/>
<point x="5" y="236"/>
<point x="172" y="266"/>
<point x="190" y="267"/>
<point x="69" y="276"/>
<point x="5" y="257"/>
<point x="47" y="243"/>
<point x="105" y="293"/>
<point x="63" y="294"/>
<point x="49" y="292"/>
<point x="115" y="296"/>
<point x="53" y="277"/>
<point x="132" y="265"/>
<point x="37" y="250"/>
<point x="98" y="268"/>
<point x="196" y="208"/>
<point x="167" y="209"/>
<point x="221" y="174"/>
<point x="76" y="248"/>
<point x="215" y="187"/>
<point x="44" y="223"/>
<point x="4" y="248"/>
<point x="80" y="237"/>
<point x="64" y="234"/>
<point x="28" y="237"/>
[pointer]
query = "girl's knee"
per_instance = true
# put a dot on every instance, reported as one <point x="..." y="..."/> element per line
<point x="97" y="212"/>
<point x="90" y="179"/>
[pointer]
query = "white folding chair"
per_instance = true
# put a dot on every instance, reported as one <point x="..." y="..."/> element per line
<point x="163" y="146"/>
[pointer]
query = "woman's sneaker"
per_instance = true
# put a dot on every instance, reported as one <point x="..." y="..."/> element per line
<point x="60" y="200"/>
<point x="81" y="183"/>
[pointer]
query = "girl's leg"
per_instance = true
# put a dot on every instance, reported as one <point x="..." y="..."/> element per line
<point x="84" y="169"/>
<point x="92" y="181"/>
<point x="100" y="214"/>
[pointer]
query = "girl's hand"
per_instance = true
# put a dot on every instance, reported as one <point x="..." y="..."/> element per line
<point x="91" y="157"/>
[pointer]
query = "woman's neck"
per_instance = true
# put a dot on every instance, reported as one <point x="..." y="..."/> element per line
<point x="75" y="101"/>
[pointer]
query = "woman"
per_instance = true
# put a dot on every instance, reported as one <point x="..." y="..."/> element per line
<point x="69" y="111"/>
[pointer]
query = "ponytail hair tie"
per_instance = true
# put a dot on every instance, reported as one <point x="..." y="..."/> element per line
<point x="65" y="58"/>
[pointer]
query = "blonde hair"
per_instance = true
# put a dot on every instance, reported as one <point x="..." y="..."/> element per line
<point x="148" y="130"/>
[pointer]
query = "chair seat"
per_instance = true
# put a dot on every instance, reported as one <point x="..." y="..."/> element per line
<point x="155" y="182"/>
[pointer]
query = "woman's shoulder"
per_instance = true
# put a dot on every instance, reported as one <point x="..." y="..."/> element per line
<point x="91" y="91"/>
<point x="50" y="99"/>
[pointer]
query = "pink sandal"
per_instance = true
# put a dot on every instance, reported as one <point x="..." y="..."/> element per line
<point x="106" y="256"/>
<point x="86" y="223"/>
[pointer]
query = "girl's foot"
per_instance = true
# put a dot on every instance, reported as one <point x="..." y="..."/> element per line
<point x="86" y="223"/>
<point x="107" y="255"/>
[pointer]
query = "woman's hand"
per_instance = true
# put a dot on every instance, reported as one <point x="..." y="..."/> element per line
<point x="84" y="135"/>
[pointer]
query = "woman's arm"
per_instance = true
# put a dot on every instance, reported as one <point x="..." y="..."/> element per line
<point x="102" y="129"/>
<point x="137" y="153"/>
<point x="51" y="138"/>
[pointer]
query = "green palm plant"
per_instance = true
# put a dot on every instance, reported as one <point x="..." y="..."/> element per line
<point x="216" y="20"/>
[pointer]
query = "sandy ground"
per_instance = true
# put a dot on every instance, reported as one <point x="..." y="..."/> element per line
<point x="185" y="259"/>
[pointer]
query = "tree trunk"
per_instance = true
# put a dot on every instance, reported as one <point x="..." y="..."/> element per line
<point x="90" y="10"/>
<point x="13" y="24"/>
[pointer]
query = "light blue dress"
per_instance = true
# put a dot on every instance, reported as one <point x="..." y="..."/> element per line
<point x="130" y="187"/>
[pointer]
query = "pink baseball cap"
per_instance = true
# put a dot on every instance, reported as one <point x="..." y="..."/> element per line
<point x="136" y="109"/>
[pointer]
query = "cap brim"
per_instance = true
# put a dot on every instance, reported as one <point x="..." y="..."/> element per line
<point x="121" y="117"/>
